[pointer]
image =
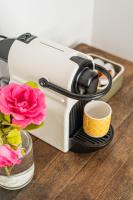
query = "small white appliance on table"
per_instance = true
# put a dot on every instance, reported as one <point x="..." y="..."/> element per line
<point x="67" y="78"/>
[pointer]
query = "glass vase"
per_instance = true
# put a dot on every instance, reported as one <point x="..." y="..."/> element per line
<point x="20" y="175"/>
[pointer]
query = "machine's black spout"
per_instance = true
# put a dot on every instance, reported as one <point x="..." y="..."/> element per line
<point x="86" y="78"/>
<point x="87" y="82"/>
<point x="5" y="46"/>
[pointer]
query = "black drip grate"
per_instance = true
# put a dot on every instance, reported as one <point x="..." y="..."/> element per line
<point x="81" y="142"/>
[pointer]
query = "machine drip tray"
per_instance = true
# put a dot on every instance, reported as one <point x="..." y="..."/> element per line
<point x="80" y="142"/>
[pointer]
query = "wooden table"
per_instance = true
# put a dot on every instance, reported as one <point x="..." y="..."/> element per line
<point x="103" y="175"/>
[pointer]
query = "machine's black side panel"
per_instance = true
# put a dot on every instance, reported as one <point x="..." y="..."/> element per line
<point x="76" y="117"/>
<point x="5" y="46"/>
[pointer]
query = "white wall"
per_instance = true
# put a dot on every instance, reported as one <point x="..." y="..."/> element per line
<point x="64" y="21"/>
<point x="106" y="24"/>
<point x="113" y="27"/>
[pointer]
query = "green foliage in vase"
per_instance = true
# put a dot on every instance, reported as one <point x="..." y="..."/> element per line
<point x="22" y="107"/>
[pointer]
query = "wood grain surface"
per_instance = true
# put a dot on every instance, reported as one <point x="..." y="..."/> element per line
<point x="104" y="175"/>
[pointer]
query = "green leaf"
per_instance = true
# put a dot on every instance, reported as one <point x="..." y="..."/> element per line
<point x="33" y="126"/>
<point x="1" y="116"/>
<point x="23" y="152"/>
<point x="1" y="133"/>
<point x="32" y="84"/>
<point x="1" y="141"/>
<point x="7" y="118"/>
<point x="7" y="128"/>
<point x="14" y="137"/>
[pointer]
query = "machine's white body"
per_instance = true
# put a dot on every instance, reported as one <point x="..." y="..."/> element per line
<point x="29" y="62"/>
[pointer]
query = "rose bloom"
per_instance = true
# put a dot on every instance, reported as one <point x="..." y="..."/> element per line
<point x="8" y="156"/>
<point x="26" y="104"/>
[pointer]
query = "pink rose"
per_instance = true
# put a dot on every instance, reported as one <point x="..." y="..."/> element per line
<point x="26" y="105"/>
<point x="8" y="156"/>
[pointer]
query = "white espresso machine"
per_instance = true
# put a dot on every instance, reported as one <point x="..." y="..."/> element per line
<point x="68" y="78"/>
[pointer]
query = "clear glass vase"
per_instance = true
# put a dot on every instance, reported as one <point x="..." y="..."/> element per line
<point x="23" y="173"/>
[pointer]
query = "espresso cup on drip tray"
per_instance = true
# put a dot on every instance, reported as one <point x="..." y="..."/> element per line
<point x="97" y="118"/>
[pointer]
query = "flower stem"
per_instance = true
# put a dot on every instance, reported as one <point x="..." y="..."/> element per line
<point x="10" y="169"/>
<point x="7" y="171"/>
